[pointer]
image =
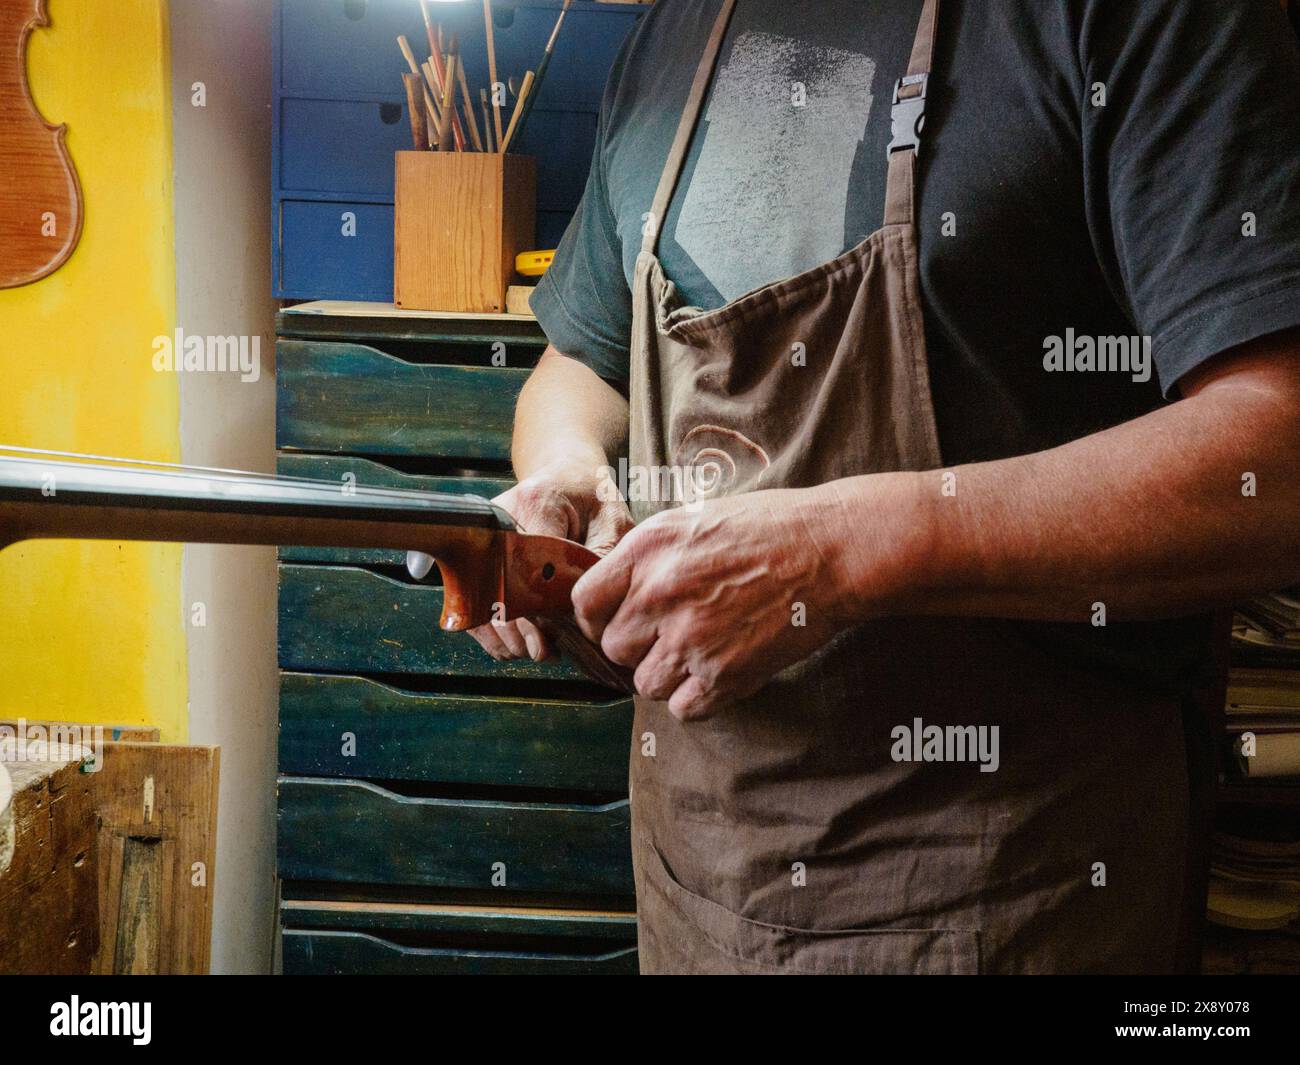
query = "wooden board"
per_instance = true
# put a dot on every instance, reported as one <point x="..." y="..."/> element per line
<point x="519" y="299"/>
<point x="6" y="818"/>
<point x="344" y="620"/>
<point x="455" y="739"/>
<point x="369" y="474"/>
<point x="48" y="864"/>
<point x="350" y="830"/>
<point x="40" y="195"/>
<point x="326" y="953"/>
<point x="366" y="309"/>
<point x="340" y="397"/>
<point x="157" y="822"/>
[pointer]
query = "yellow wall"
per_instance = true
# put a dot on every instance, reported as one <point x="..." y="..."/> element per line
<point x="95" y="631"/>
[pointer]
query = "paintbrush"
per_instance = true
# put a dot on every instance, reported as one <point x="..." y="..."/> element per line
<point x="432" y="94"/>
<point x="425" y="81"/>
<point x="488" y="143"/>
<point x="415" y="108"/>
<point x="492" y="66"/>
<point x="468" y="105"/>
<point x="541" y="70"/>
<point x="441" y="70"/>
<point x="428" y="28"/>
<point x="450" y="118"/>
<point x="526" y="89"/>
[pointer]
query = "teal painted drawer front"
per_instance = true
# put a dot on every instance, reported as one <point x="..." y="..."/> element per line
<point x="461" y="339"/>
<point x="454" y="739"/>
<point x="341" y="397"/>
<point x="364" y="473"/>
<point x="321" y="953"/>
<point x="343" y="620"/>
<point x="520" y="923"/>
<point x="355" y="832"/>
<point x="343" y="938"/>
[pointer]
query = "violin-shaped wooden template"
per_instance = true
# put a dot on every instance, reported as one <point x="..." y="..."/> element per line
<point x="40" y="196"/>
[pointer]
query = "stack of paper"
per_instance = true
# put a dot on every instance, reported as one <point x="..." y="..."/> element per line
<point x="1266" y="630"/>
<point x="1264" y="687"/>
<point x="1255" y="857"/>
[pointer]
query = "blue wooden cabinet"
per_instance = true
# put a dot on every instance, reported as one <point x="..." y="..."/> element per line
<point x="438" y="811"/>
<point x="340" y="114"/>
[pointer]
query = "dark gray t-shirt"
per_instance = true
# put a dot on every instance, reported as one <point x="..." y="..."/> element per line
<point x="1109" y="168"/>
<point x="1039" y="210"/>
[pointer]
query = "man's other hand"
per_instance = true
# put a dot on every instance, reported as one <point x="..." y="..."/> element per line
<point x="568" y="499"/>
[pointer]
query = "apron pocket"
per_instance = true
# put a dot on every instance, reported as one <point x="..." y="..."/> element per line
<point x="684" y="932"/>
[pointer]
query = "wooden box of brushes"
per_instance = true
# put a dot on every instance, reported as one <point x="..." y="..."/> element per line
<point x="461" y="218"/>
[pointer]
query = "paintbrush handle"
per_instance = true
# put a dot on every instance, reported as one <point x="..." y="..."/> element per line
<point x="488" y="143"/>
<point x="492" y="69"/>
<point x="446" y="74"/>
<point x="542" y="67"/>
<point x="468" y="107"/>
<point x="525" y="93"/>
<point x="415" y="109"/>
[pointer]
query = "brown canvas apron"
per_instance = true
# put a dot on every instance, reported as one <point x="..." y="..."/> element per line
<point x="781" y="835"/>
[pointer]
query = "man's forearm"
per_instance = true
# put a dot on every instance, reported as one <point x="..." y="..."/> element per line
<point x="567" y="415"/>
<point x="1185" y="509"/>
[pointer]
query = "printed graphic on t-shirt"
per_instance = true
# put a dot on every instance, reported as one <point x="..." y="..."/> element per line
<point x="783" y="127"/>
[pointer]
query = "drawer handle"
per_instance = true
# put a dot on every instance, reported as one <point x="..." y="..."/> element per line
<point x="354" y="9"/>
<point x="389" y="114"/>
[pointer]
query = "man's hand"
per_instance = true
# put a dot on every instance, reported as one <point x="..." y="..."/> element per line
<point x="707" y="602"/>
<point x="567" y="422"/>
<point x="702" y="601"/>
<point x="572" y="500"/>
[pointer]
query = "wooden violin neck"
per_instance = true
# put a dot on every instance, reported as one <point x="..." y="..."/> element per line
<point x="84" y="501"/>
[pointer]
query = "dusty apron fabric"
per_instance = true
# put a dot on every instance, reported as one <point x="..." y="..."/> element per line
<point x="782" y="835"/>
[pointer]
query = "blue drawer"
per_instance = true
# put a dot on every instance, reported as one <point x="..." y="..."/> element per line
<point x="335" y="47"/>
<point x="347" y="146"/>
<point x="341" y="48"/>
<point x="316" y="261"/>
<point x="341" y="146"/>
<point x="584" y="54"/>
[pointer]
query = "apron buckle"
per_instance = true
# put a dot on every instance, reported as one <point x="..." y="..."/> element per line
<point x="907" y="116"/>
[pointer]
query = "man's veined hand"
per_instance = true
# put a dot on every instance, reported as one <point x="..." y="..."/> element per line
<point x="571" y="500"/>
<point x="709" y="601"/>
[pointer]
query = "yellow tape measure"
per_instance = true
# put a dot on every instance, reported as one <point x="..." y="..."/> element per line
<point x="534" y="263"/>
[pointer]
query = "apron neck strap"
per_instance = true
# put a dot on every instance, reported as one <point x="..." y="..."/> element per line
<point x="907" y="118"/>
<point x="686" y="129"/>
